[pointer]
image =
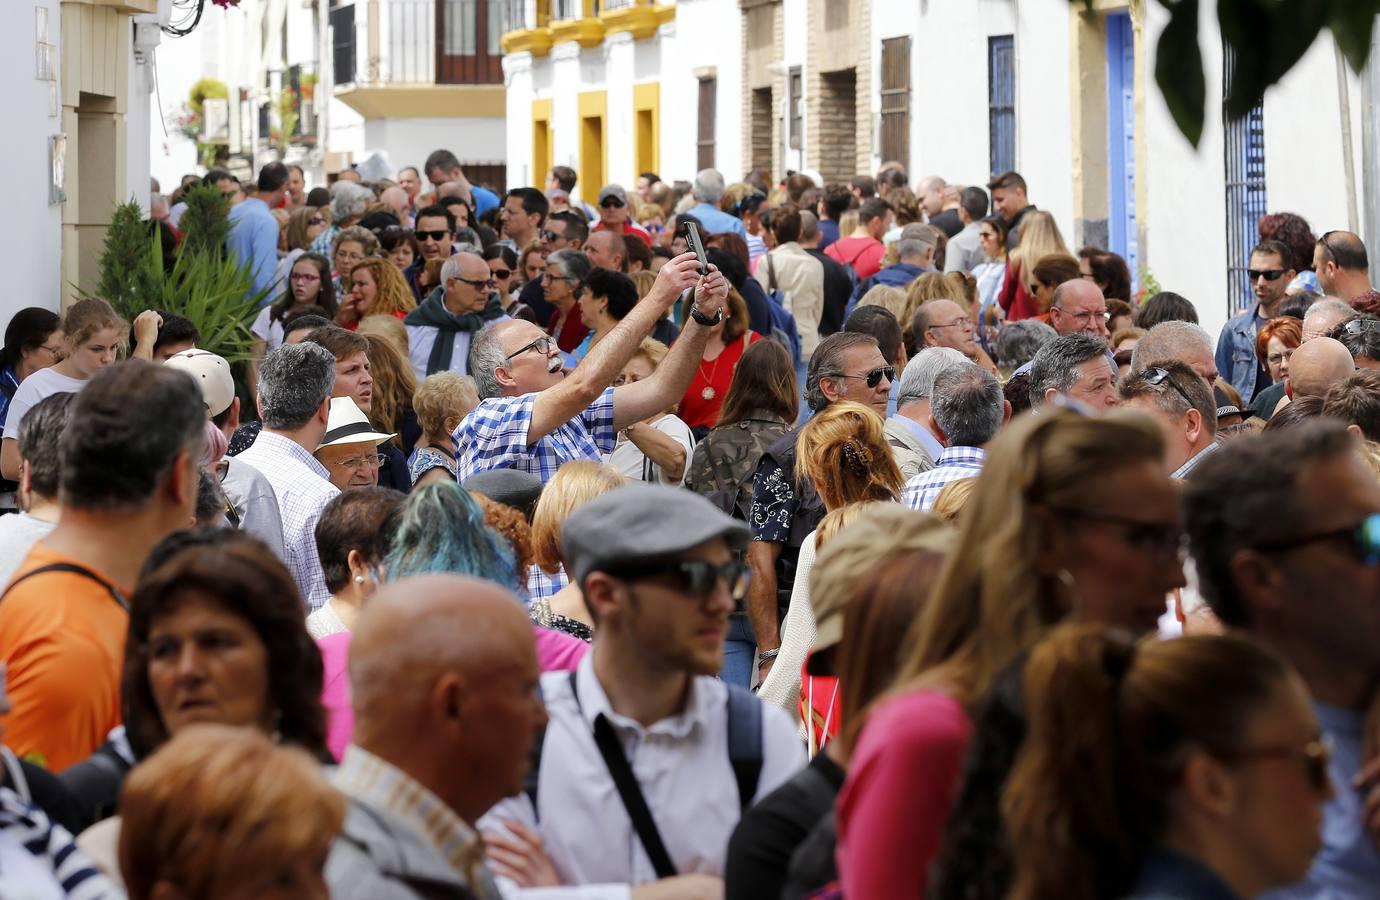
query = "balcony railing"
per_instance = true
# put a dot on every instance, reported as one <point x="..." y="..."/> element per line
<point x="419" y="42"/>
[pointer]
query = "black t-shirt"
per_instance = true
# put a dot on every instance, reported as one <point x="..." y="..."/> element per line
<point x="838" y="288"/>
<point x="761" y="847"/>
<point x="948" y="222"/>
<point x="533" y="295"/>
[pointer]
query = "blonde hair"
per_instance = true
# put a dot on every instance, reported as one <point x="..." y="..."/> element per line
<point x="951" y="500"/>
<point x="848" y="222"/>
<point x="992" y="601"/>
<point x="394" y="385"/>
<point x="892" y="299"/>
<point x="574" y="485"/>
<point x="841" y="518"/>
<point x="643" y="281"/>
<point x="297" y="225"/>
<point x="394" y="296"/>
<point x="86" y="317"/>
<point x="843" y="451"/>
<point x="534" y="247"/>
<point x="1039" y="238"/>
<point x="441" y="401"/>
<point x="386" y="326"/>
<point x="217" y="809"/>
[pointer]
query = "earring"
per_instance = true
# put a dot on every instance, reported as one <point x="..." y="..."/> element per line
<point x="359" y="579"/>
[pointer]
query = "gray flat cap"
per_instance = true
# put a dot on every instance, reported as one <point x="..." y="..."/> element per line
<point x="639" y="523"/>
<point x="511" y="487"/>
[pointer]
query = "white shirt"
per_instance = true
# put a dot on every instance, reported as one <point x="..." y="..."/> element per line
<point x="268" y="330"/>
<point x="18" y="533"/>
<point x="682" y="766"/>
<point x="303" y="488"/>
<point x="634" y="464"/>
<point x="420" y="340"/>
<point x="781" y="687"/>
<point x="39" y="386"/>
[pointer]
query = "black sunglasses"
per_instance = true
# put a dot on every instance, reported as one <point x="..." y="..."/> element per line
<point x="1363" y="539"/>
<point x="500" y="274"/>
<point x="1267" y="274"/>
<point x="695" y="577"/>
<point x="611" y="203"/>
<point x="1315" y="755"/>
<point x="433" y="235"/>
<point x="477" y="285"/>
<point x="1157" y="375"/>
<point x="550" y="236"/>
<point x="873" y="378"/>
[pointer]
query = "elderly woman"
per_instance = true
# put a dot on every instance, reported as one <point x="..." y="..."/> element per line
<point x="349" y="540"/>
<point x="221" y="813"/>
<point x="658" y="448"/>
<point x="440" y="402"/>
<point x="351" y="246"/>
<point x="349" y="203"/>
<point x="216" y="635"/>
<point x="563" y="283"/>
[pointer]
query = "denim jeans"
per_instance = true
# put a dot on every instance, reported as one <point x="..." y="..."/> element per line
<point x="740" y="651"/>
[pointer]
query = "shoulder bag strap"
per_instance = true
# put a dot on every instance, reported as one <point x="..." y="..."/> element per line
<point x="629" y="791"/>
<point x="73" y="569"/>
<point x="771" y="275"/>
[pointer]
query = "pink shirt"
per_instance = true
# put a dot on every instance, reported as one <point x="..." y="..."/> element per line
<point x="556" y="652"/>
<point x="901" y="783"/>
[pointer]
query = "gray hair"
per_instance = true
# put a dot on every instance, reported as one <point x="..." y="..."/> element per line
<point x="1328" y="305"/>
<point x="468" y="240"/>
<point x="827" y="361"/>
<point x="1019" y="341"/>
<point x="575" y="263"/>
<point x="967" y="405"/>
<point x="349" y="200"/>
<point x="294" y="380"/>
<point x="709" y="185"/>
<point x="451" y="267"/>
<point x="362" y="236"/>
<point x="908" y="248"/>
<point x="39" y="432"/>
<point x="1172" y="340"/>
<point x="486" y="356"/>
<point x="1055" y="365"/>
<point x="917" y="381"/>
<point x="809" y="225"/>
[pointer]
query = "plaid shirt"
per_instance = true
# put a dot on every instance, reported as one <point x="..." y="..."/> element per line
<point x="494" y="436"/>
<point x="541" y="586"/>
<point x="303" y="488"/>
<point x="954" y="463"/>
<point x="1186" y="470"/>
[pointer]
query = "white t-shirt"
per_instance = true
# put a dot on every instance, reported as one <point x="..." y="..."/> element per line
<point x="18" y="533"/>
<point x="635" y="465"/>
<point x="271" y="332"/>
<point x="38" y="386"/>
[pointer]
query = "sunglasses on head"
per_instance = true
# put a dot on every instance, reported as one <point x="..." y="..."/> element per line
<point x="1156" y="376"/>
<point x="317" y="221"/>
<point x="1360" y="325"/>
<point x="1267" y="274"/>
<point x="695" y="577"/>
<point x="873" y="377"/>
<point x="432" y="235"/>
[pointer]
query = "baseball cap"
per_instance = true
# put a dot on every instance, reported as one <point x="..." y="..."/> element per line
<point x="613" y="190"/>
<point x="212" y="375"/>
<point x="347" y="424"/>
<point x="642" y="523"/>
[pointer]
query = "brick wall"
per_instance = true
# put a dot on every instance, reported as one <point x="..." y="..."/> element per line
<point x="838" y="78"/>
<point x="762" y="43"/>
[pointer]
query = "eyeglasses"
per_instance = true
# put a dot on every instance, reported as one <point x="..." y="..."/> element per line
<point x="611" y="203"/>
<point x="52" y="350"/>
<point x="1087" y="316"/>
<point x="961" y="322"/>
<point x="1360" y="325"/>
<point x="542" y="345"/>
<point x="1363" y="539"/>
<point x="348" y="256"/>
<point x="548" y="275"/>
<point x="500" y="274"/>
<point x="477" y="285"/>
<point x="1267" y="274"/>
<point x="1316" y="755"/>
<point x="1275" y="359"/>
<point x="873" y="377"/>
<point x="372" y="460"/>
<point x="696" y="577"/>
<point x="621" y="379"/>
<point x="1156" y="376"/>
<point x="432" y="235"/>
<point x="316" y="221"/>
<point x="1162" y="540"/>
<point x="305" y="276"/>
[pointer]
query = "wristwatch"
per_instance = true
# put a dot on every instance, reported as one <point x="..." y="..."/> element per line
<point x="706" y="320"/>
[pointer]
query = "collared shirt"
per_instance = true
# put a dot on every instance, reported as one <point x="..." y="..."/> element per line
<point x="303" y="488"/>
<point x="716" y="221"/>
<point x="494" y="436"/>
<point x="422" y="338"/>
<point x="681" y="764"/>
<point x="964" y="251"/>
<point x="932" y="444"/>
<point x="39" y="858"/>
<point x="365" y="777"/>
<point x="954" y="463"/>
<point x="1186" y="470"/>
<point x="541" y="586"/>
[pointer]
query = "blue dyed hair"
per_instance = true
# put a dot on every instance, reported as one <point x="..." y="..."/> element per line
<point x="441" y="529"/>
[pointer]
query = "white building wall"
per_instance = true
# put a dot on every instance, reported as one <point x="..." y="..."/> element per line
<point x="517" y="128"/>
<point x="794" y="20"/>
<point x="35" y="236"/>
<point x="620" y="151"/>
<point x="408" y="141"/>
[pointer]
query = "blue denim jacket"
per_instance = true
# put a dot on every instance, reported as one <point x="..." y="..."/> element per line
<point x="1166" y="875"/>
<point x="1236" y="359"/>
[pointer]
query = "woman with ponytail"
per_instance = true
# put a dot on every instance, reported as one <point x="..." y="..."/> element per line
<point x="844" y="453"/>
<point x="1191" y="769"/>
<point x="1072" y="517"/>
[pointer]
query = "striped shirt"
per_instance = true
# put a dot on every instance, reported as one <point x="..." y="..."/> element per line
<point x="494" y="436"/>
<point x="32" y="849"/>
<point x="303" y="488"/>
<point x="953" y="464"/>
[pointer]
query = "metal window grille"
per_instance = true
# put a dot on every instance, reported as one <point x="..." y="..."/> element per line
<point x="796" y="100"/>
<point x="1001" y="101"/>
<point x="1246" y="201"/>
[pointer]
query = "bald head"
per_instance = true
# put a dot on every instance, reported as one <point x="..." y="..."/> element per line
<point x="1317" y="365"/>
<point x="1075" y="290"/>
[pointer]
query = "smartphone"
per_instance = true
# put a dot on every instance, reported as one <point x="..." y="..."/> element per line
<point x="692" y="237"/>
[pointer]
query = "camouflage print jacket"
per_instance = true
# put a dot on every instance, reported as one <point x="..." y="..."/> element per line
<point x="724" y="463"/>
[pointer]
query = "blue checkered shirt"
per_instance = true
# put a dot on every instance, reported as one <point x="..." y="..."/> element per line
<point x="303" y="488"/>
<point x="541" y="586"/>
<point x="494" y="436"/>
<point x="954" y="463"/>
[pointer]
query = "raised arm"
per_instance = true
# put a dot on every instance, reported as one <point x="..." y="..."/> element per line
<point x="635" y="402"/>
<point x="557" y="405"/>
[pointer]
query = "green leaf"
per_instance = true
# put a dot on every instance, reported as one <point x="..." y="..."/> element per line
<point x="1179" y="69"/>
<point x="1351" y="22"/>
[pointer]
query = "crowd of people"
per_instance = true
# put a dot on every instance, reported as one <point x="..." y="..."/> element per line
<point x="890" y="549"/>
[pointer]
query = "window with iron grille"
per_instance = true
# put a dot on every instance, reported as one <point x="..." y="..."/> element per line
<point x="1245" y="177"/>
<point x="342" y="21"/>
<point x="1001" y="101"/>
<point x="895" y="100"/>
<point x="796" y="100"/>
<point x="705" y="141"/>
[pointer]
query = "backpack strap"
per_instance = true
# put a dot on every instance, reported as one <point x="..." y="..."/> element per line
<point x="771" y="275"/>
<point x="73" y="569"/>
<point x="745" y="741"/>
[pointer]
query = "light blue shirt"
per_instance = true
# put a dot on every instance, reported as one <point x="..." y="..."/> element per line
<point x="253" y="241"/>
<point x="922" y="434"/>
<point x="716" y="221"/>
<point x="484" y="199"/>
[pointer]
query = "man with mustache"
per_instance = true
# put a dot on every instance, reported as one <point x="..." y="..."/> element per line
<point x="535" y="417"/>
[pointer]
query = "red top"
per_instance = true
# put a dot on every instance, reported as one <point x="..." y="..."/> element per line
<point x="901" y="783"/>
<point x="629" y="228"/>
<point x="572" y="331"/>
<point x="1018" y="302"/>
<point x="715" y="374"/>
<point x="864" y="254"/>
